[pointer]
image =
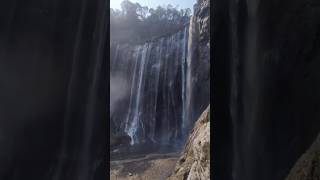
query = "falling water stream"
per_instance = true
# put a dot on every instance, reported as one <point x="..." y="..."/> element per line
<point x="154" y="103"/>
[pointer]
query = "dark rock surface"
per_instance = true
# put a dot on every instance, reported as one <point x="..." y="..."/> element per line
<point x="308" y="165"/>
<point x="266" y="86"/>
<point x="52" y="90"/>
<point x="119" y="139"/>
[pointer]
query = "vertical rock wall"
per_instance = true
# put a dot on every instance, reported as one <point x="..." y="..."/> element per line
<point x="52" y="79"/>
<point x="266" y="62"/>
<point x="199" y="61"/>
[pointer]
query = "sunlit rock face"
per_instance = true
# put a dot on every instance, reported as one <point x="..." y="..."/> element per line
<point x="194" y="162"/>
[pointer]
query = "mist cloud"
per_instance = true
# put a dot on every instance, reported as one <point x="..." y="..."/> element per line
<point x="118" y="90"/>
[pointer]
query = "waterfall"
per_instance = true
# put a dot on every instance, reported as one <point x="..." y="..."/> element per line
<point x="189" y="80"/>
<point x="183" y="75"/>
<point x="153" y="105"/>
<point x="135" y="107"/>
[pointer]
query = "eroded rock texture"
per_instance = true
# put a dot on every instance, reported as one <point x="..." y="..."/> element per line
<point x="194" y="162"/>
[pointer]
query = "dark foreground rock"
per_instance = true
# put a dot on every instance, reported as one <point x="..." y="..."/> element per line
<point x="308" y="166"/>
<point x="194" y="162"/>
<point x="118" y="140"/>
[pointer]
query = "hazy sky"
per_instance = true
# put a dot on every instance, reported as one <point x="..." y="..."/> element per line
<point x="154" y="3"/>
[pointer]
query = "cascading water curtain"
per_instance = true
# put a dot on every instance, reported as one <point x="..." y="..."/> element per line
<point x="154" y="105"/>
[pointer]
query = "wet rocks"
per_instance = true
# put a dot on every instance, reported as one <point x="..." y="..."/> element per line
<point x="121" y="139"/>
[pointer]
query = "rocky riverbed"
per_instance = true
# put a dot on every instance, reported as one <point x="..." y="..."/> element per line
<point x="151" y="166"/>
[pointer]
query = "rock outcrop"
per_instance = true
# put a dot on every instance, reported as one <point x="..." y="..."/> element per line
<point x="194" y="162"/>
<point x="308" y="166"/>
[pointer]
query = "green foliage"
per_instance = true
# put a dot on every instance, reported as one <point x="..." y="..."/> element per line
<point x="135" y="23"/>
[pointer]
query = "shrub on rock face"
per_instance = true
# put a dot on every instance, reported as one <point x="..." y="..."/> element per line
<point x="194" y="162"/>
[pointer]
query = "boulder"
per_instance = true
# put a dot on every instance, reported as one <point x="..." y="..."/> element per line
<point x="119" y="139"/>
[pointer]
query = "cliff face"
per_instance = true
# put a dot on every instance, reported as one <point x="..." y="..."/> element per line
<point x="266" y="84"/>
<point x="199" y="64"/>
<point x="148" y="88"/>
<point x="159" y="88"/>
<point x="194" y="162"/>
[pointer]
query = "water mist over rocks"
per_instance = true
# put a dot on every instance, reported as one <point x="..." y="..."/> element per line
<point x="118" y="90"/>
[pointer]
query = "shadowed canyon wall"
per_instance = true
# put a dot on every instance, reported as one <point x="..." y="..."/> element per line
<point x="266" y="86"/>
<point x="52" y="89"/>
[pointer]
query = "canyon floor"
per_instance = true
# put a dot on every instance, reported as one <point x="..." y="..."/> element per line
<point x="147" y="167"/>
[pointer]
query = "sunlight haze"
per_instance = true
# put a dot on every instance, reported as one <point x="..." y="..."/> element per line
<point x="182" y="4"/>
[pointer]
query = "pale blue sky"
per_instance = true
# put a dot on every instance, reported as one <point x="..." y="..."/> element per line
<point x="154" y="3"/>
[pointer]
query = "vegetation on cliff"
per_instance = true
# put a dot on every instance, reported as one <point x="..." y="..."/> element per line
<point x="135" y="23"/>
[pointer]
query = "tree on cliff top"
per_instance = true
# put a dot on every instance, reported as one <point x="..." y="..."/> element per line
<point x="136" y="23"/>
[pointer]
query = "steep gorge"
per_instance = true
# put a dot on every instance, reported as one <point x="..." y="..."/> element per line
<point x="159" y="88"/>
